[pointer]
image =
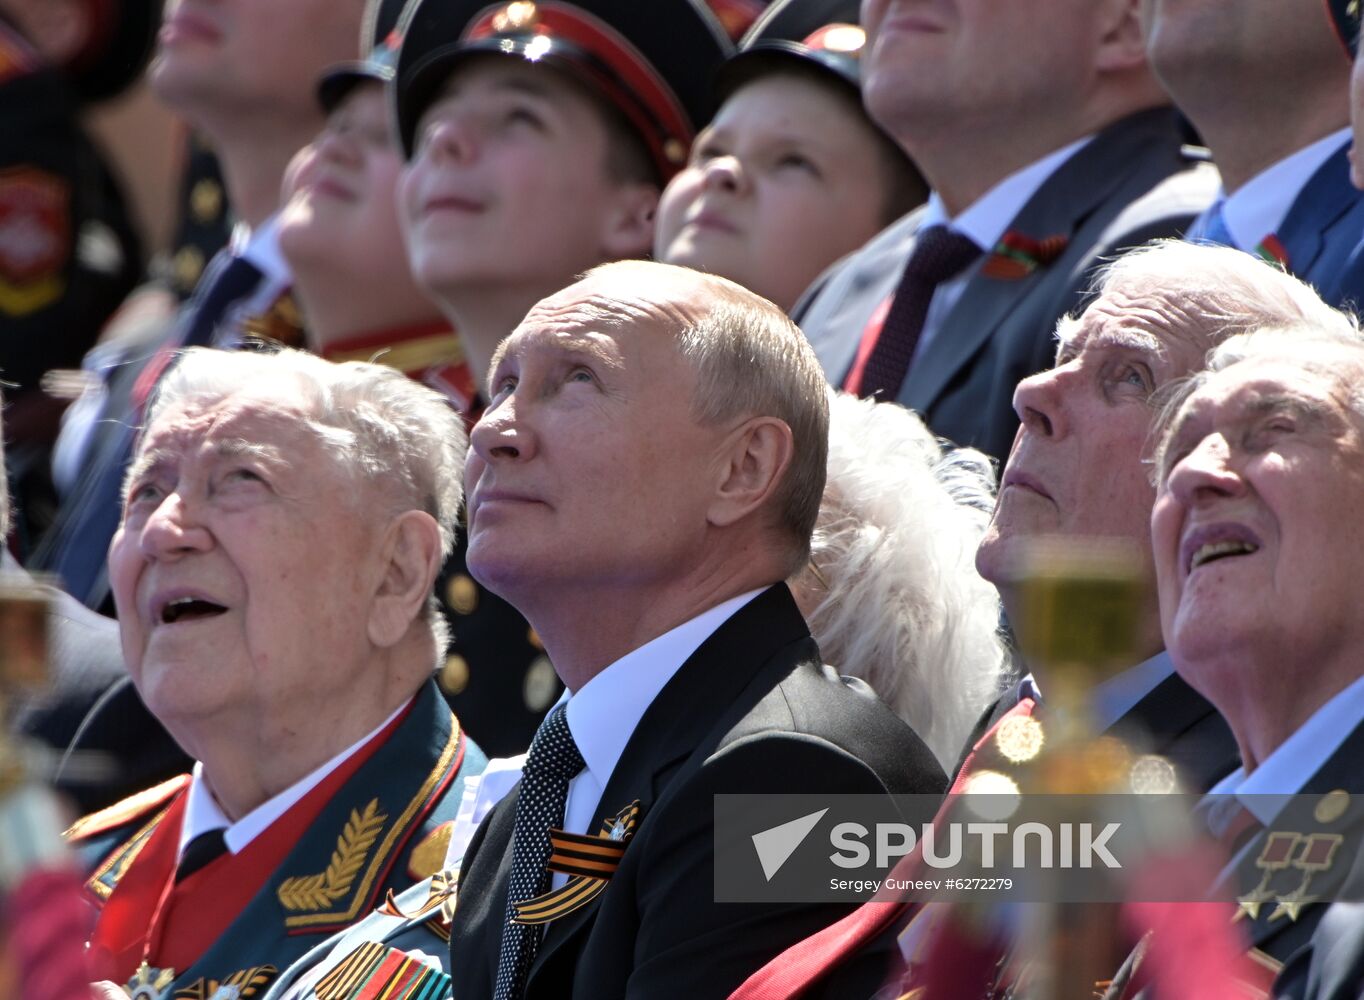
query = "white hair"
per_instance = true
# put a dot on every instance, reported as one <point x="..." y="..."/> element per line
<point x="1308" y="346"/>
<point x="398" y="435"/>
<point x="1210" y="293"/>
<point x="894" y="548"/>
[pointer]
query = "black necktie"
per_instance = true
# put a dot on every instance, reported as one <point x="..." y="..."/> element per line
<point x="553" y="761"/>
<point x="938" y="254"/>
<point x="205" y="847"/>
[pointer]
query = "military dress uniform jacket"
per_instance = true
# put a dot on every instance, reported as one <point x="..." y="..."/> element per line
<point x="1306" y="855"/>
<point x="1332" y="967"/>
<point x="1131" y="183"/>
<point x="385" y="827"/>
<point x="410" y="932"/>
<point x="752" y="711"/>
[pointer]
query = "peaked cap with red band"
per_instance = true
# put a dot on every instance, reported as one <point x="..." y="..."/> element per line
<point x="1345" y="16"/>
<point x="653" y="60"/>
<point x="817" y="33"/>
<point x="379" y="42"/>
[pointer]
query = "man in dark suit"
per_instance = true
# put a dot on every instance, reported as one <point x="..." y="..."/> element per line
<point x="646" y="475"/>
<point x="1266" y="83"/>
<point x="1259" y="465"/>
<point x="1046" y="150"/>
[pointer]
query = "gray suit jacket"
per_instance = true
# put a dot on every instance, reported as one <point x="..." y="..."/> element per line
<point x="1132" y="183"/>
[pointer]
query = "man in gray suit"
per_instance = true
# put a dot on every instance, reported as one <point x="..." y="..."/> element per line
<point x="1046" y="149"/>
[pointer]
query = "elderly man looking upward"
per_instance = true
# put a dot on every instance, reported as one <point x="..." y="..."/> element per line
<point x="283" y="521"/>
<point x="1078" y="471"/>
<point x="646" y="475"/>
<point x="1260" y="468"/>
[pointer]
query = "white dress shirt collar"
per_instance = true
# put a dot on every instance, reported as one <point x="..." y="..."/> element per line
<point x="1266" y="790"/>
<point x="603" y="713"/>
<point x="202" y="812"/>
<point x="987" y="219"/>
<point x="1258" y="207"/>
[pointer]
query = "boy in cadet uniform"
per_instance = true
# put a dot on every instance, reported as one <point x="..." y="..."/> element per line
<point x="538" y="139"/>
<point x="792" y="174"/>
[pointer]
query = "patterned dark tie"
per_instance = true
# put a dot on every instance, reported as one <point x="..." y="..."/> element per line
<point x="553" y="761"/>
<point x="938" y="254"/>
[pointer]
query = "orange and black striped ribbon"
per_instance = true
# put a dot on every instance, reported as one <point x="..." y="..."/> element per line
<point x="588" y="861"/>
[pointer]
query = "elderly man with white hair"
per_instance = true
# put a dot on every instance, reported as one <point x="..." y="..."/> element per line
<point x="1260" y="469"/>
<point x="283" y="522"/>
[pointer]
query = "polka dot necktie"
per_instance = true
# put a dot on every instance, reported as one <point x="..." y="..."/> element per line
<point x="553" y="761"/>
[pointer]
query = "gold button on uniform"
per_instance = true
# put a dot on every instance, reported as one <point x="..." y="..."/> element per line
<point x="454" y="676"/>
<point x="206" y="200"/>
<point x="461" y="593"/>
<point x="187" y="265"/>
<point x="1332" y="806"/>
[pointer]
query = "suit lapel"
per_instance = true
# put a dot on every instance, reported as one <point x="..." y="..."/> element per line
<point x="1059" y="207"/>
<point x="706" y="696"/>
<point x="1327" y="195"/>
<point x="1180" y="724"/>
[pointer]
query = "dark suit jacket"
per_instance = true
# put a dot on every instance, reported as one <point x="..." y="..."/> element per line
<point x="1134" y="182"/>
<point x="1172" y="719"/>
<point x="751" y="712"/>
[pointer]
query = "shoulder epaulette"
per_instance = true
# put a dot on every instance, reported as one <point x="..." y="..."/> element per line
<point x="127" y="810"/>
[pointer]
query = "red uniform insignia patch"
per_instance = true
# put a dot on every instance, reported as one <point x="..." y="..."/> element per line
<point x="35" y="238"/>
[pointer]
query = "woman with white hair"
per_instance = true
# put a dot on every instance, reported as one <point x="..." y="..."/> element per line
<point x="891" y="590"/>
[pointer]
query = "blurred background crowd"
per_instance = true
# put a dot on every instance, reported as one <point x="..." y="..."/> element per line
<point x="1008" y="232"/>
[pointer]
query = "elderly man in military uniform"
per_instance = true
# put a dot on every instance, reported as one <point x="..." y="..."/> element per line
<point x="284" y="519"/>
<point x="1260" y="464"/>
